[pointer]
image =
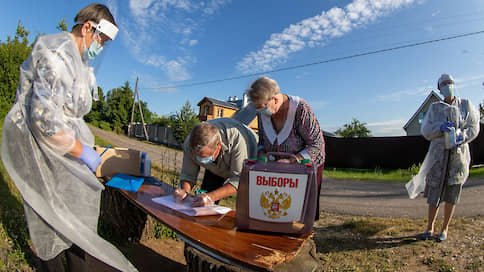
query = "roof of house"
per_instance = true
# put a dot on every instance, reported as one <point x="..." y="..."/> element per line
<point x="219" y="102"/>
<point x="432" y="93"/>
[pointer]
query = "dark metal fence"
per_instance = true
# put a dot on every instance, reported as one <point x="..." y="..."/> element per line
<point x="387" y="152"/>
<point x="156" y="133"/>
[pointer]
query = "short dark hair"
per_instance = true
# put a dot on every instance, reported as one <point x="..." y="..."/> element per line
<point x="94" y="12"/>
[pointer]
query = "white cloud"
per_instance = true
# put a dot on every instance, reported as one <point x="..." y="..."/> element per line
<point x="397" y="95"/>
<point x="171" y="27"/>
<point x="387" y="128"/>
<point x="176" y="70"/>
<point x="316" y="31"/>
<point x="462" y="82"/>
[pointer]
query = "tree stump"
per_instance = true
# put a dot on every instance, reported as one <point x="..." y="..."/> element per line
<point x="305" y="261"/>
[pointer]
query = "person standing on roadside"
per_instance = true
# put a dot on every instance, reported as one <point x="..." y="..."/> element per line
<point x="47" y="146"/>
<point x="450" y="126"/>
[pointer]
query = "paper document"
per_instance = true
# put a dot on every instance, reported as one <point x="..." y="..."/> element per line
<point x="185" y="206"/>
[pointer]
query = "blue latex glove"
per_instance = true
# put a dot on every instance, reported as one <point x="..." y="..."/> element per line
<point x="445" y="127"/>
<point x="458" y="141"/>
<point x="90" y="157"/>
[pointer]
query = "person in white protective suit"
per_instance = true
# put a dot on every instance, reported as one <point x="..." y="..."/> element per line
<point x="47" y="147"/>
<point x="446" y="166"/>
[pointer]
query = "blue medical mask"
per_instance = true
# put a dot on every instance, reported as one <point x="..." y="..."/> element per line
<point x="448" y="90"/>
<point x="94" y="50"/>
<point x="205" y="160"/>
<point x="265" y="110"/>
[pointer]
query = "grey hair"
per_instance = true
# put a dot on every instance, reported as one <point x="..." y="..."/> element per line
<point x="263" y="89"/>
<point x="204" y="135"/>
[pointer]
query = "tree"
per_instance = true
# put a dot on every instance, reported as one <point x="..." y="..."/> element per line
<point x="98" y="111"/>
<point x="119" y="105"/>
<point x="62" y="25"/>
<point x="160" y="120"/>
<point x="355" y="129"/>
<point x="12" y="54"/>
<point x="119" y="101"/>
<point x="183" y="121"/>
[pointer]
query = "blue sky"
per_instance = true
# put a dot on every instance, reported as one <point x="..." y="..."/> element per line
<point x="176" y="42"/>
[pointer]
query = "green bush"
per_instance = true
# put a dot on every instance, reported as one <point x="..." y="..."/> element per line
<point x="104" y="125"/>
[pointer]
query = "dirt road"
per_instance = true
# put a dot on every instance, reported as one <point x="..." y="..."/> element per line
<point x="337" y="196"/>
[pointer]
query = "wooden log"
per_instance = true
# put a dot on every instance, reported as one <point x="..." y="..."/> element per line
<point x="306" y="260"/>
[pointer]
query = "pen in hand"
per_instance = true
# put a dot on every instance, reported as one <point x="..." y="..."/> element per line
<point x="109" y="146"/>
<point x="180" y="194"/>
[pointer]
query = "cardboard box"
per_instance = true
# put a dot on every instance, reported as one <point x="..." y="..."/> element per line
<point x="123" y="160"/>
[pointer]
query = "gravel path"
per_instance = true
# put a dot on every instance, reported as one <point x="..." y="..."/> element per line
<point x="337" y="196"/>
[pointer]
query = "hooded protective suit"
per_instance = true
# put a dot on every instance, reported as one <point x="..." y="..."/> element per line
<point x="438" y="159"/>
<point x="61" y="195"/>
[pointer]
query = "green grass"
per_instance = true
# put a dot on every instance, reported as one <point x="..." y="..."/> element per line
<point x="101" y="142"/>
<point x="476" y="173"/>
<point x="384" y="175"/>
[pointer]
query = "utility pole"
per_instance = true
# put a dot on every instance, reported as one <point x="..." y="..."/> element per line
<point x="136" y="96"/>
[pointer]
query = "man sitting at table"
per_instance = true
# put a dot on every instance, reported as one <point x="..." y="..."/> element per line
<point x="220" y="146"/>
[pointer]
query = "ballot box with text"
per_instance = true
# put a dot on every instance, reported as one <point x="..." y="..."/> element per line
<point x="276" y="197"/>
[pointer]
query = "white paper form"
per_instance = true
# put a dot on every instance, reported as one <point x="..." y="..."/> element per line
<point x="185" y="206"/>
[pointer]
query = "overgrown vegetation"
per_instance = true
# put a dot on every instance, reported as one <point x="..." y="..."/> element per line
<point x="13" y="53"/>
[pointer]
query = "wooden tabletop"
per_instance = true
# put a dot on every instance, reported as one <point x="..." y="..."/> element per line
<point x="217" y="234"/>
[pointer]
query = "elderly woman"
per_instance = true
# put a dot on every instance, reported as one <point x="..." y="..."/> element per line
<point x="287" y="124"/>
<point x="447" y="166"/>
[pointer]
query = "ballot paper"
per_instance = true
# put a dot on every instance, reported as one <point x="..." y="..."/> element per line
<point x="185" y="206"/>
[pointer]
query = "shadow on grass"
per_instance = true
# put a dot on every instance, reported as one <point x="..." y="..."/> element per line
<point x="342" y="238"/>
<point x="12" y="218"/>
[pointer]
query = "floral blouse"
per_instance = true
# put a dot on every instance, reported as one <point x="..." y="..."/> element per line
<point x="300" y="134"/>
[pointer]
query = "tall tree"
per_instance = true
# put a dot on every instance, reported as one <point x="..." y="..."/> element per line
<point x="62" y="25"/>
<point x="119" y="101"/>
<point x="13" y="53"/>
<point x="355" y="129"/>
<point x="98" y="111"/>
<point x="119" y="104"/>
<point x="183" y="121"/>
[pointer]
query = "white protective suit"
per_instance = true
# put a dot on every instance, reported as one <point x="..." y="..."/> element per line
<point x="438" y="159"/>
<point x="61" y="195"/>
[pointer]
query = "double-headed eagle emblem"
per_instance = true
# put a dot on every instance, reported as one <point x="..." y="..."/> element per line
<point x="275" y="204"/>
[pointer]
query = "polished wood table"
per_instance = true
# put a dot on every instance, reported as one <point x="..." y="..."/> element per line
<point x="217" y="235"/>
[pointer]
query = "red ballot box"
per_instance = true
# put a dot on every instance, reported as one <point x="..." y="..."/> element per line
<point x="276" y="197"/>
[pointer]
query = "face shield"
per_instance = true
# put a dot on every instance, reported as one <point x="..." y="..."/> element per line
<point x="103" y="34"/>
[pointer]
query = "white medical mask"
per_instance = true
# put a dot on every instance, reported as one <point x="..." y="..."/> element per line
<point x="448" y="90"/>
<point x="265" y="110"/>
<point x="94" y="49"/>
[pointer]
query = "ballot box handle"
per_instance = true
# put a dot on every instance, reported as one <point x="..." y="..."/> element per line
<point x="281" y="154"/>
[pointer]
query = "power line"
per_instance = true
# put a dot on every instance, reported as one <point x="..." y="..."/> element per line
<point x="318" y="62"/>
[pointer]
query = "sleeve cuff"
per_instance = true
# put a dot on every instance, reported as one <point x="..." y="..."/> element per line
<point x="234" y="181"/>
<point x="305" y="154"/>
